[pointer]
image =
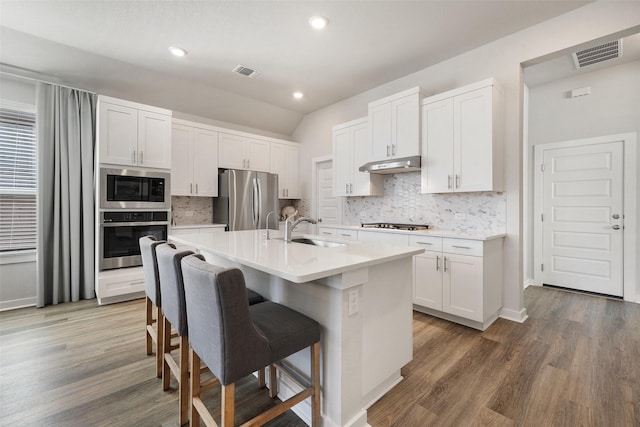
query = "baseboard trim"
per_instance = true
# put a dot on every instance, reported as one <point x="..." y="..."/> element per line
<point x="17" y="303"/>
<point x="514" y="315"/>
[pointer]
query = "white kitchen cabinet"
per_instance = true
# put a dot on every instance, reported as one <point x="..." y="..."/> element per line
<point x="133" y="134"/>
<point x="459" y="279"/>
<point x="194" y="170"/>
<point x="352" y="149"/>
<point x="395" y="125"/>
<point x="338" y="233"/>
<point x="285" y="161"/>
<point x="461" y="140"/>
<point x="242" y="152"/>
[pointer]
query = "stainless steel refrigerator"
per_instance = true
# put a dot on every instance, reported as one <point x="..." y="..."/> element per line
<point x="244" y="200"/>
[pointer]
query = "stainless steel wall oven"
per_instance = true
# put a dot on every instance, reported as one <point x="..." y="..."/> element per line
<point x="134" y="189"/>
<point x="119" y="234"/>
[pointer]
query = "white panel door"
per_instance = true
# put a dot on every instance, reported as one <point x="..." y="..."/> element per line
<point x="118" y="134"/>
<point x="154" y="140"/>
<point x="582" y="227"/>
<point x="361" y="153"/>
<point x="342" y="164"/>
<point x="462" y="286"/>
<point x="258" y="154"/>
<point x="405" y="124"/>
<point x="231" y="152"/>
<point x="327" y="203"/>
<point x="181" y="160"/>
<point x="427" y="280"/>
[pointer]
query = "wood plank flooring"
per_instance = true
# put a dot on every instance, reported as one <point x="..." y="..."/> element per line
<point x="574" y="362"/>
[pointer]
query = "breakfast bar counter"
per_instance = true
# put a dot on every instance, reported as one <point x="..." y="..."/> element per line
<point x="361" y="294"/>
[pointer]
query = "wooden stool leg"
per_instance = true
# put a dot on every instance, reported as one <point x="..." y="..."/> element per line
<point x="149" y="323"/>
<point x="315" y="381"/>
<point x="183" y="390"/>
<point x="228" y="405"/>
<point x="261" y="380"/>
<point x="273" y="382"/>
<point x="159" y="343"/>
<point x="195" y="387"/>
<point x="166" y="353"/>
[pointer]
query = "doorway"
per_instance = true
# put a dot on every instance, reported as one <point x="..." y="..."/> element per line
<point x="581" y="214"/>
<point x="327" y="208"/>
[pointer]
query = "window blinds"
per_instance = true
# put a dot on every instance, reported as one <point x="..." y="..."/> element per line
<point x="17" y="177"/>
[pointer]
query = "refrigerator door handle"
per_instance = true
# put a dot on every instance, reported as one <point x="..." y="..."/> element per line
<point x="260" y="209"/>
<point x="233" y="193"/>
<point x="255" y="207"/>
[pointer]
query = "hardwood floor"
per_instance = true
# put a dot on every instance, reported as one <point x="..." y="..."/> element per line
<point x="574" y="362"/>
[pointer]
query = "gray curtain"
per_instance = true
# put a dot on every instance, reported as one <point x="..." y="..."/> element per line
<point x="66" y="130"/>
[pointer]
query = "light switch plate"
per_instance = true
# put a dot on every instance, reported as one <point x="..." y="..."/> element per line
<point x="354" y="303"/>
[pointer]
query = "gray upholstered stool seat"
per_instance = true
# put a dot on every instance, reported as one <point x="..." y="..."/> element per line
<point x="175" y="315"/>
<point x="235" y="339"/>
<point x="153" y="299"/>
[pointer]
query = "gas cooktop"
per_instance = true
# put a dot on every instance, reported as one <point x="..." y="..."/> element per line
<point x="395" y="226"/>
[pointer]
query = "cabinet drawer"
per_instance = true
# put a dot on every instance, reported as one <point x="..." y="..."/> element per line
<point x="383" y="237"/>
<point x="462" y="246"/>
<point x="324" y="231"/>
<point x="428" y="243"/>
<point x="346" y="234"/>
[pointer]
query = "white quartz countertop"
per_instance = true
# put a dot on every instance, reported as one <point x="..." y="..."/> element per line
<point x="188" y="226"/>
<point x="453" y="234"/>
<point x="296" y="262"/>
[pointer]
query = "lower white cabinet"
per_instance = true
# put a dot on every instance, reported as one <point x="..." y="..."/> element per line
<point x="122" y="284"/>
<point x="459" y="279"/>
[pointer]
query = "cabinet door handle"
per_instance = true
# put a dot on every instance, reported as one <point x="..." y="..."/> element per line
<point x="393" y="150"/>
<point x="461" y="247"/>
<point x="388" y="150"/>
<point x="457" y="181"/>
<point x="190" y="188"/>
<point x="133" y="156"/>
<point x="424" y="243"/>
<point x="345" y="234"/>
<point x="350" y="188"/>
<point x="346" y="188"/>
<point x="141" y="154"/>
<point x="196" y="188"/>
<point x="287" y="192"/>
<point x="445" y="264"/>
<point x="326" y="232"/>
<point x="448" y="181"/>
<point x="437" y="263"/>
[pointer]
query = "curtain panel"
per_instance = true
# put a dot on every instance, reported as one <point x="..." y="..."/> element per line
<point x="66" y="135"/>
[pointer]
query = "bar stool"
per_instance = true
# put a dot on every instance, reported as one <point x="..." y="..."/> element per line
<point x="235" y="339"/>
<point x="175" y="315"/>
<point x="148" y="246"/>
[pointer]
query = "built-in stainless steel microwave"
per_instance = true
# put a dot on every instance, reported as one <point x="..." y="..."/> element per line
<point x="134" y="189"/>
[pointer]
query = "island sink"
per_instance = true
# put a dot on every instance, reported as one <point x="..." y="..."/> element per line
<point x="316" y="242"/>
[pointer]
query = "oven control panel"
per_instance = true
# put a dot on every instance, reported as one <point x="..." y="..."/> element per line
<point x="129" y="216"/>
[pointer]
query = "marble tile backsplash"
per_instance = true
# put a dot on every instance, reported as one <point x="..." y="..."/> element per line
<point x="191" y="210"/>
<point x="402" y="202"/>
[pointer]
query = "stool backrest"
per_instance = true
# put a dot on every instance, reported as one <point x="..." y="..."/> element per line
<point x="172" y="286"/>
<point x="221" y="331"/>
<point x="150" y="267"/>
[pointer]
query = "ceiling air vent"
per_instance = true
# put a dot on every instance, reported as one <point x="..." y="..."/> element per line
<point x="593" y="55"/>
<point x="245" y="71"/>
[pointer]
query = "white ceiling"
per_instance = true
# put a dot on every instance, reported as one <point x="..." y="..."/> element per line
<point x="120" y="48"/>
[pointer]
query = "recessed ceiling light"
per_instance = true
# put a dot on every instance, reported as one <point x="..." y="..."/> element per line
<point x="318" y="22"/>
<point x="298" y="95"/>
<point x="177" y="51"/>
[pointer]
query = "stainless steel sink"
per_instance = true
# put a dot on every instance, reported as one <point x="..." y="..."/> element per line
<point x="316" y="242"/>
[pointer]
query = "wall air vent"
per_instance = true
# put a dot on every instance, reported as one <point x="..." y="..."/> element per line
<point x="593" y="55"/>
<point x="245" y="71"/>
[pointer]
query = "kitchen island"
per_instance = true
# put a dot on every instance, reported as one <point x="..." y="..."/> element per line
<point x="361" y="294"/>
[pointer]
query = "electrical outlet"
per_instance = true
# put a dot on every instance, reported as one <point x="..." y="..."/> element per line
<point x="460" y="216"/>
<point x="353" y="302"/>
<point x="188" y="213"/>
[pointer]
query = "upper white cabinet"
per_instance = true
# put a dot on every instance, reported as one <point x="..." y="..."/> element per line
<point x="133" y="134"/>
<point x="462" y="141"/>
<point x="194" y="170"/>
<point x="395" y="125"/>
<point x="352" y="149"/>
<point x="242" y="152"/>
<point x="285" y="161"/>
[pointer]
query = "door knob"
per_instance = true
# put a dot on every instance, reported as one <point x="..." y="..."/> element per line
<point x="616" y="227"/>
<point x="615" y="216"/>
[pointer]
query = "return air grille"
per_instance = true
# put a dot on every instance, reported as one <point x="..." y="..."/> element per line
<point x="596" y="54"/>
<point x="245" y="71"/>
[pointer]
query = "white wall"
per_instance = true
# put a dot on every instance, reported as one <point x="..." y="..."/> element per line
<point x="501" y="60"/>
<point x="613" y="107"/>
<point x="17" y="270"/>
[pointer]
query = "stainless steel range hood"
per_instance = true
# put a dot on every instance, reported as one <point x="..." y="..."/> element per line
<point x="404" y="164"/>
